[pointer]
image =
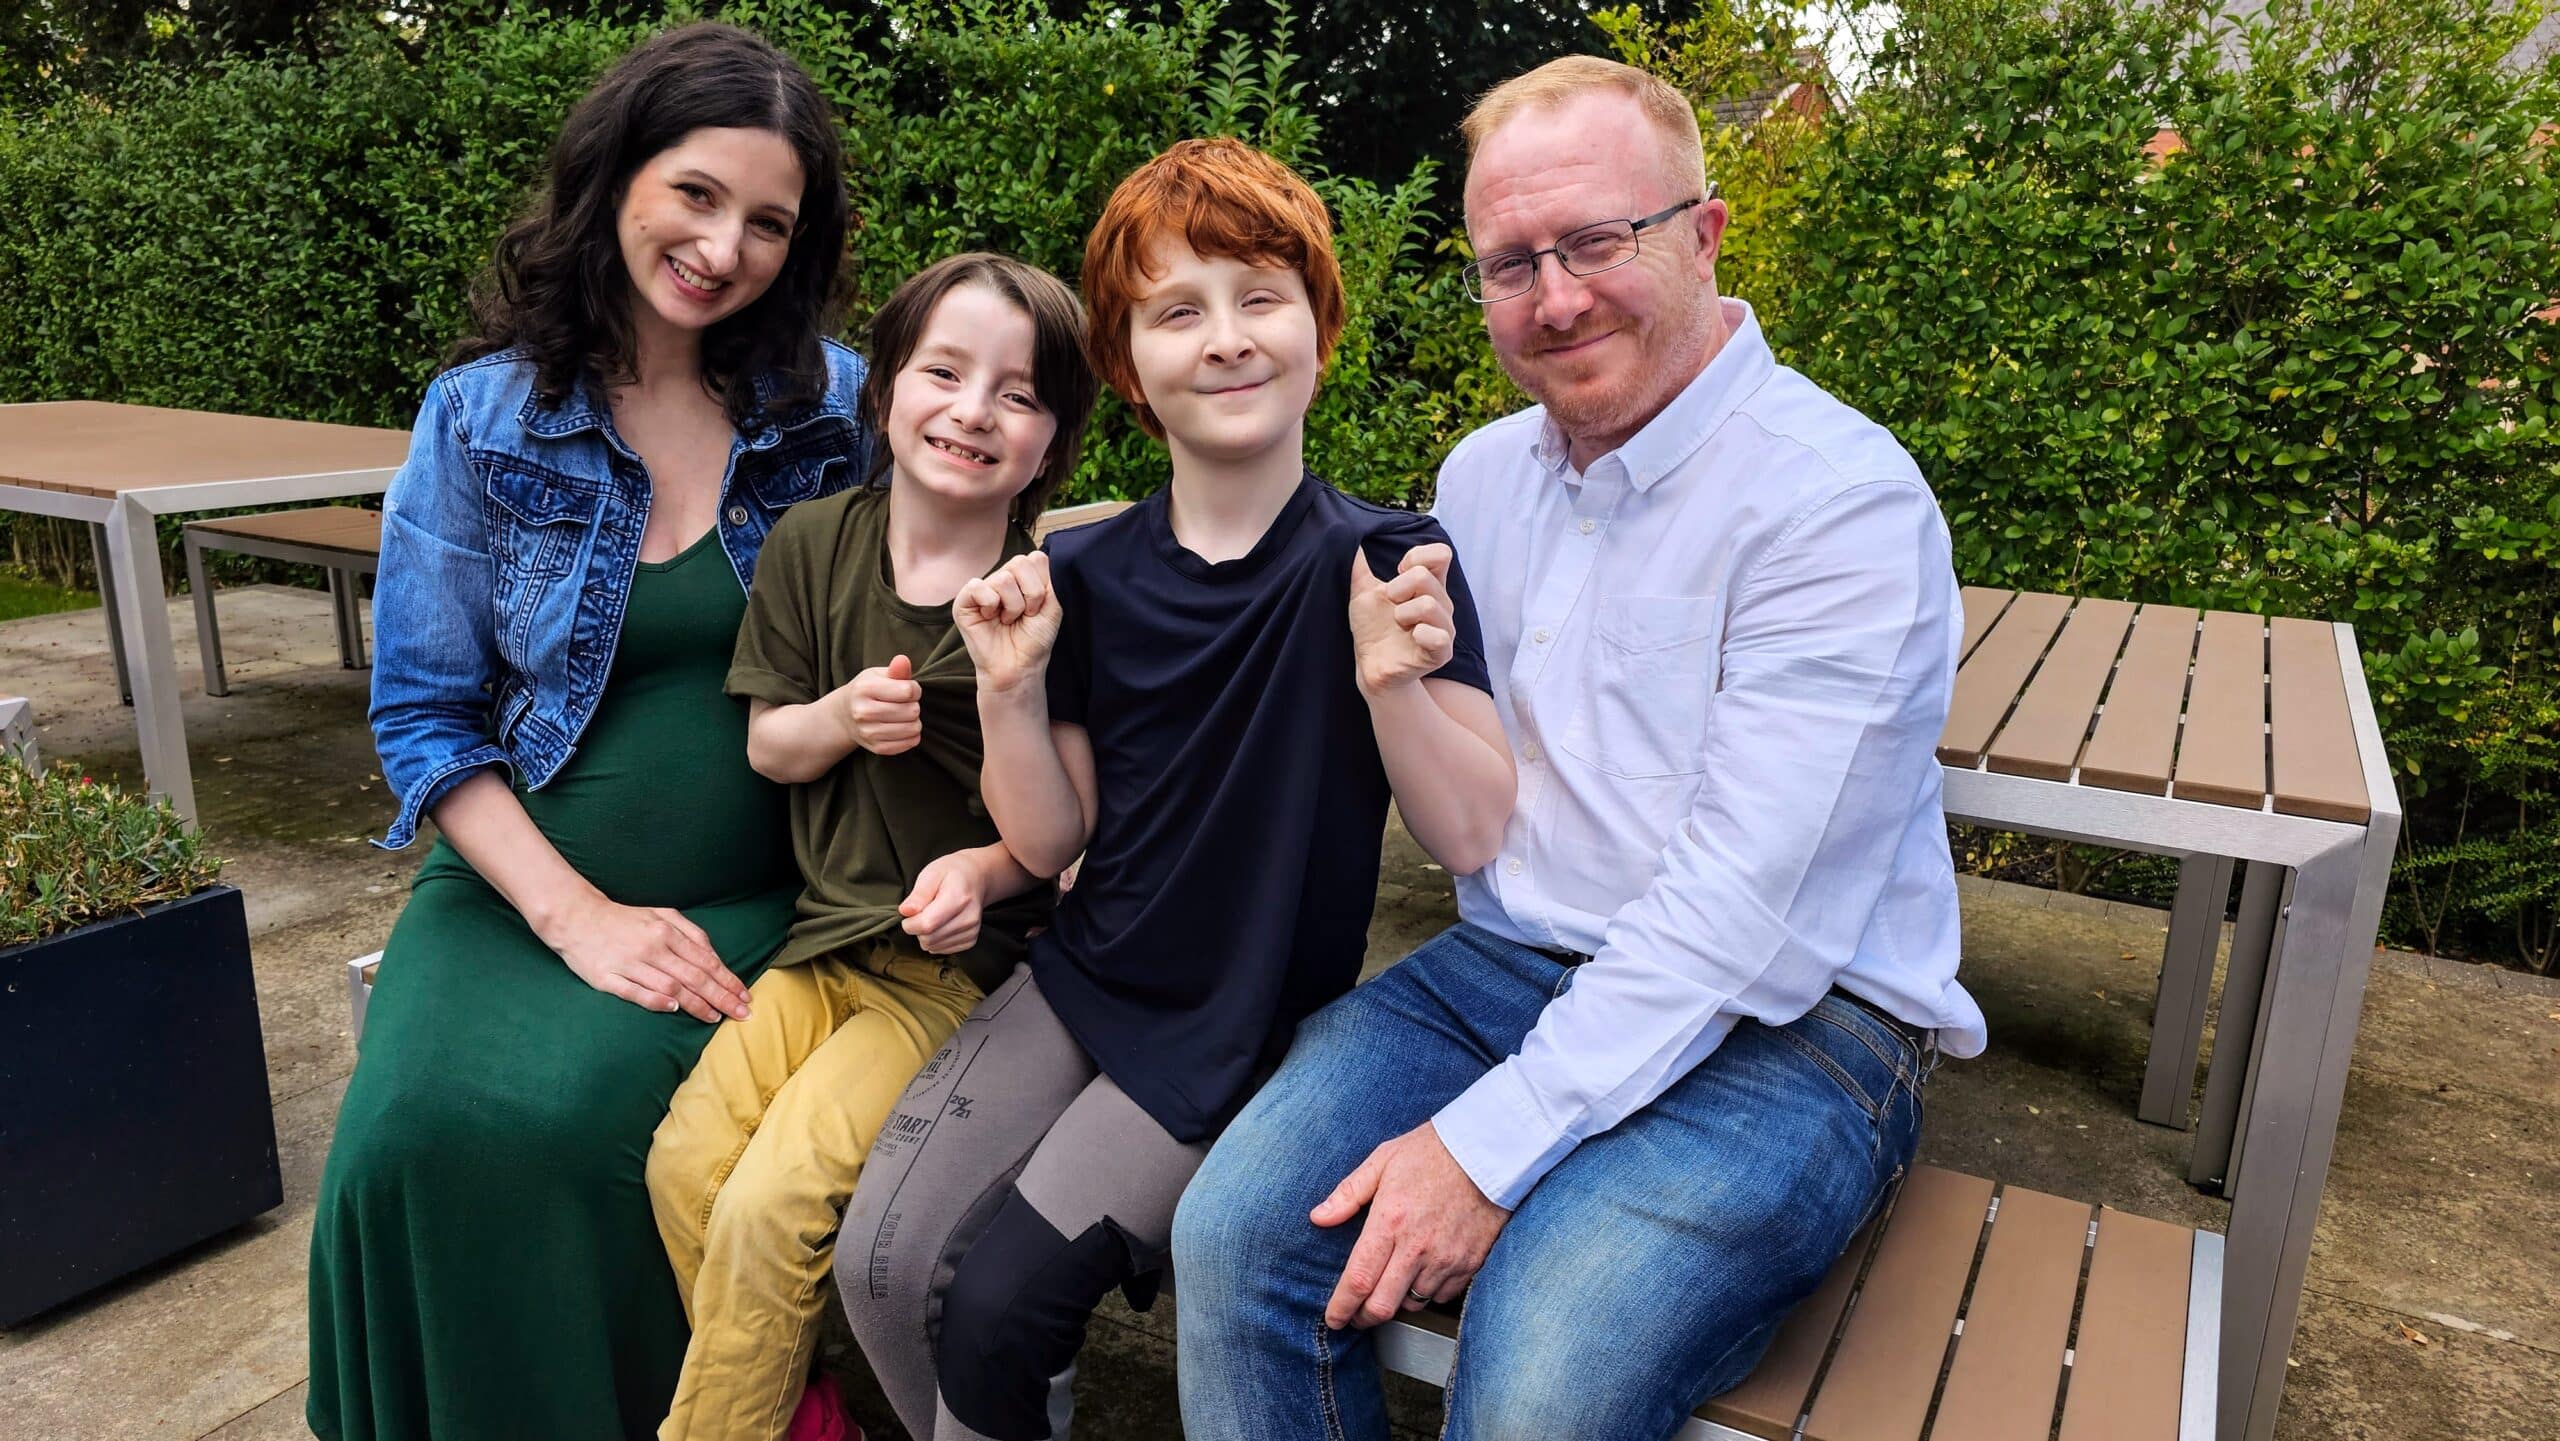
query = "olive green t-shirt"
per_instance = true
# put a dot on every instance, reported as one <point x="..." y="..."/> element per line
<point x="824" y="608"/>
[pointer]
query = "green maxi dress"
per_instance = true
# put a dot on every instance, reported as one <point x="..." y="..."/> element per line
<point x="483" y="1264"/>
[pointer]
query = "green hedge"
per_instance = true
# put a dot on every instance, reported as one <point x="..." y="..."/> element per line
<point x="295" y="236"/>
<point x="2292" y="368"/>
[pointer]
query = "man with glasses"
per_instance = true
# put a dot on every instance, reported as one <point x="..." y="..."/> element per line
<point x="1670" y="1059"/>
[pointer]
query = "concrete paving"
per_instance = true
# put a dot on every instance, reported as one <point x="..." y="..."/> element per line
<point x="2434" y="1300"/>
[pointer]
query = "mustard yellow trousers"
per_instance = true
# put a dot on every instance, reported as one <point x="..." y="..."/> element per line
<point x="749" y="1173"/>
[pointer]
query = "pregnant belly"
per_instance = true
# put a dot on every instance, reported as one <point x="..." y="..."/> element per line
<point x="658" y="806"/>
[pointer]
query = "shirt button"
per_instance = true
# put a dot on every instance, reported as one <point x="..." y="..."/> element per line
<point x="737" y="515"/>
<point x="1541" y="635"/>
<point x="1589" y="526"/>
<point x="1529" y="752"/>
<point x="1513" y="868"/>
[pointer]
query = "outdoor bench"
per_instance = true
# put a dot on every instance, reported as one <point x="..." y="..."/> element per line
<point x="1978" y="1311"/>
<point x="345" y="540"/>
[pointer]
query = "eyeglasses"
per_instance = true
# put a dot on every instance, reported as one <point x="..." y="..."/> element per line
<point x="1588" y="251"/>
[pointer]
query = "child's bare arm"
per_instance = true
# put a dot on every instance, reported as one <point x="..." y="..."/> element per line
<point x="1441" y="741"/>
<point x="1450" y="767"/>
<point x="1038" y="778"/>
<point x="1037" y="781"/>
<point x="1004" y="876"/>
<point x="952" y="893"/>
<point x="878" y="710"/>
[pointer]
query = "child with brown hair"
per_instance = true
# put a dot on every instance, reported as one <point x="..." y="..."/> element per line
<point x="863" y="701"/>
<point x="1211" y="697"/>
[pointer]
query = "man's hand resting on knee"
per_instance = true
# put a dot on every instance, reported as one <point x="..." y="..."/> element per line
<point x="1428" y="1230"/>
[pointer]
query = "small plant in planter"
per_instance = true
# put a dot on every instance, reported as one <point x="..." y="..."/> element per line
<point x="134" y="1115"/>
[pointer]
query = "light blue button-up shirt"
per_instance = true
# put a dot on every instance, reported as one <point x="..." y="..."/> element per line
<point x="1723" y="655"/>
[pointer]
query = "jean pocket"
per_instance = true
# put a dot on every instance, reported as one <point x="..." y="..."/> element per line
<point x="1870" y="1061"/>
<point x="1830" y="1065"/>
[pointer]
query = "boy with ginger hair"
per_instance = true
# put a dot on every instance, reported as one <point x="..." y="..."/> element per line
<point x="1211" y="697"/>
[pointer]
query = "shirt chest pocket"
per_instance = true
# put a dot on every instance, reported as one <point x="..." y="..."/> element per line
<point x="1648" y="678"/>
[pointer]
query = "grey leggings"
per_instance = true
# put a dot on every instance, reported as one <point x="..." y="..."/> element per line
<point x="1011" y="1190"/>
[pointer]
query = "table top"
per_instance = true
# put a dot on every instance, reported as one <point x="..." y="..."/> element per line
<point x="2219" y="707"/>
<point x="89" y="447"/>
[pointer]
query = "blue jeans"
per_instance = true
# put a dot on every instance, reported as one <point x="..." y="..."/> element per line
<point x="1642" y="1275"/>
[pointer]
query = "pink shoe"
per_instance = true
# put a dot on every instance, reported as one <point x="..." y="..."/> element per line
<point x="820" y="1415"/>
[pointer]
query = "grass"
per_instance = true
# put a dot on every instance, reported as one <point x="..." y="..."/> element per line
<point x="20" y="596"/>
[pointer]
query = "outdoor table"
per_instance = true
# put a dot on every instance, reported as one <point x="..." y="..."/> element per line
<point x="118" y="467"/>
<point x="2220" y="739"/>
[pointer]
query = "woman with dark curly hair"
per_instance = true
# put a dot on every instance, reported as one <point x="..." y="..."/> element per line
<point x="565" y="561"/>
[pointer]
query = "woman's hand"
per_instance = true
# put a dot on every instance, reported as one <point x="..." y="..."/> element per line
<point x="1010" y="621"/>
<point x="648" y="955"/>
<point x="942" y="911"/>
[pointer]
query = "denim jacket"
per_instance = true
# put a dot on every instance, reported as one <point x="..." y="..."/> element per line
<point x="509" y="540"/>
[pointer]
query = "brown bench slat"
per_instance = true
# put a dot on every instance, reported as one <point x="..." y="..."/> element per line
<point x="2222" y="750"/>
<point x="2008" y="1366"/>
<point x="1771" y="1399"/>
<point x="2129" y="1370"/>
<point x="1896" y="1328"/>
<point x="333" y="527"/>
<point x="2043" y="737"/>
<point x="1069" y="517"/>
<point x="1987" y="683"/>
<point x="2136" y="741"/>
<point x="1881" y="1377"/>
<point x="1982" y="606"/>
<point x="2317" y="771"/>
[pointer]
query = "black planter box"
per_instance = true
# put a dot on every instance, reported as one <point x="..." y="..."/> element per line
<point x="134" y="1117"/>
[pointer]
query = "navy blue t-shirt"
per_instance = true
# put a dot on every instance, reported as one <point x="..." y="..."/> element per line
<point x="1241" y="801"/>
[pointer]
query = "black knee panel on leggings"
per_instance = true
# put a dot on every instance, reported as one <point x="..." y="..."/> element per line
<point x="1015" y="1316"/>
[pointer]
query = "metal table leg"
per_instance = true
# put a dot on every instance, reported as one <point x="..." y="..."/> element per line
<point x="2315" y="989"/>
<point x="115" y="621"/>
<point x="2186" y="983"/>
<point x="133" y="556"/>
